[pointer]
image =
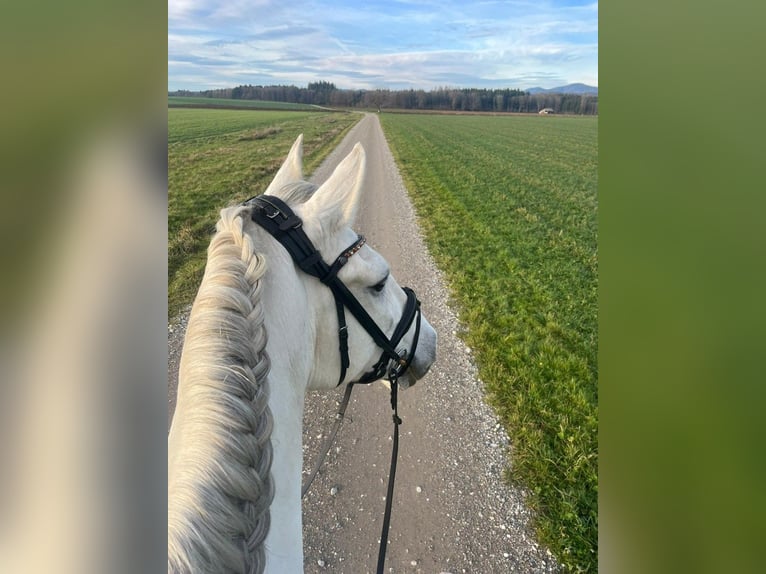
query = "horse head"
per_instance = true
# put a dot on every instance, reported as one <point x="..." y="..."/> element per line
<point x="327" y="214"/>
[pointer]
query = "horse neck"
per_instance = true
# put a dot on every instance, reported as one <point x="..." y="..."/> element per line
<point x="211" y="445"/>
<point x="290" y="348"/>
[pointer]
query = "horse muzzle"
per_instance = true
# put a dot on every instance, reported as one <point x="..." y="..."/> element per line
<point x="425" y="356"/>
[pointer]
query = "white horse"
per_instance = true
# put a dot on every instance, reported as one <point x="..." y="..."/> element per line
<point x="262" y="332"/>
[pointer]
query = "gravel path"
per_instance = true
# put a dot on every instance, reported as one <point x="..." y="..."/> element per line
<point x="452" y="512"/>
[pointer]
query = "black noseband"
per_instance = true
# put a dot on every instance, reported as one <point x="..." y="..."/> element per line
<point x="276" y="217"/>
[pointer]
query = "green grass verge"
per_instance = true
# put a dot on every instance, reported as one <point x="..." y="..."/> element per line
<point x="508" y="206"/>
<point x="220" y="157"/>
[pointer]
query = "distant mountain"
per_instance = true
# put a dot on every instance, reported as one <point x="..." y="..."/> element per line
<point x="568" y="89"/>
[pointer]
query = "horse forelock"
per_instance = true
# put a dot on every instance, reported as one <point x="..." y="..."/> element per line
<point x="221" y="486"/>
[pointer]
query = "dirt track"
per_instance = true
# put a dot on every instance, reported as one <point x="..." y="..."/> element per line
<point x="452" y="512"/>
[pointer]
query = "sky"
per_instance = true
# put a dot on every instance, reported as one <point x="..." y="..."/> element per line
<point x="394" y="44"/>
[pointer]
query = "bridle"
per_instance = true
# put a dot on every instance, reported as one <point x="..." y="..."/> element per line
<point x="276" y="217"/>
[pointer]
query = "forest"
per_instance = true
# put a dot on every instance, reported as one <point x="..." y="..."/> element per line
<point x="447" y="99"/>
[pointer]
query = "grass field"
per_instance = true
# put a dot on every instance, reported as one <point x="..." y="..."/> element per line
<point x="508" y="206"/>
<point x="197" y="102"/>
<point x="220" y="157"/>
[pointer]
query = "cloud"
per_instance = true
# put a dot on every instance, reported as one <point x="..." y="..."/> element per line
<point x="410" y="43"/>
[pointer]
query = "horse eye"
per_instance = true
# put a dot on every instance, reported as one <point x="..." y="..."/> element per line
<point x="380" y="286"/>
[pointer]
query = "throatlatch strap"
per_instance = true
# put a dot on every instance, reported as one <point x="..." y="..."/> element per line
<point x="342" y="340"/>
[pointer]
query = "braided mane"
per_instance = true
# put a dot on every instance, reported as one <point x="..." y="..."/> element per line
<point x="220" y="486"/>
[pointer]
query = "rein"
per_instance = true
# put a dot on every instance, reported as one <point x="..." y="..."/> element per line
<point x="276" y="217"/>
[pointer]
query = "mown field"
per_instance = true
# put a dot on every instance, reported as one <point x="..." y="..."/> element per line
<point x="199" y="102"/>
<point x="220" y="157"/>
<point x="508" y="206"/>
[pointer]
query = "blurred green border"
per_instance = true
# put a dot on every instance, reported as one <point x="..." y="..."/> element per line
<point x="76" y="76"/>
<point x="72" y="71"/>
<point x="681" y="313"/>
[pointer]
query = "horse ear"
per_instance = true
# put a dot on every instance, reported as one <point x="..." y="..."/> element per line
<point x="336" y="201"/>
<point x="291" y="170"/>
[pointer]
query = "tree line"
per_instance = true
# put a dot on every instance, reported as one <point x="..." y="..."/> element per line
<point x="447" y="99"/>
